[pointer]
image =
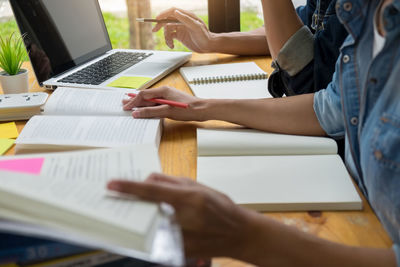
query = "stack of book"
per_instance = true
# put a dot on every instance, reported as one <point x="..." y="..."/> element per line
<point x="63" y="196"/>
<point x="16" y="250"/>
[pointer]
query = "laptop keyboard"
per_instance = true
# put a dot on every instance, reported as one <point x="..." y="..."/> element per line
<point x="106" y="68"/>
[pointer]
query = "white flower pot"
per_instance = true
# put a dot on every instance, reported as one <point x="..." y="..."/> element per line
<point x="14" y="84"/>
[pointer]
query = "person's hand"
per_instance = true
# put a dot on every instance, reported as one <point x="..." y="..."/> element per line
<point x="212" y="225"/>
<point x="191" y="31"/>
<point x="147" y="109"/>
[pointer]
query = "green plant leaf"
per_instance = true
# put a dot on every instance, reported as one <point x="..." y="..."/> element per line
<point x="11" y="54"/>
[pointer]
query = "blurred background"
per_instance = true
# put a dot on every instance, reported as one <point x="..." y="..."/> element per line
<point x="120" y="16"/>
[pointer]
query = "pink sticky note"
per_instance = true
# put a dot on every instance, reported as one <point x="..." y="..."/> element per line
<point x="30" y="166"/>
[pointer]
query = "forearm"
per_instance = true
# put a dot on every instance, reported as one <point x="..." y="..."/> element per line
<point x="281" y="22"/>
<point x="270" y="243"/>
<point x="238" y="43"/>
<point x="290" y="115"/>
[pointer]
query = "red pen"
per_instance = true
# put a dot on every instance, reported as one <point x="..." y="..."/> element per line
<point x="163" y="101"/>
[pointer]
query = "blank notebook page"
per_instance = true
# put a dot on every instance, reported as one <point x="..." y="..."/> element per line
<point x="247" y="89"/>
<point x="281" y="183"/>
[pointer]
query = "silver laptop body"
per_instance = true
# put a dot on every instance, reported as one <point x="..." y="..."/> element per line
<point x="67" y="38"/>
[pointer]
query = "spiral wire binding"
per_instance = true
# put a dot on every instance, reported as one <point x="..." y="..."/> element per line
<point x="230" y="78"/>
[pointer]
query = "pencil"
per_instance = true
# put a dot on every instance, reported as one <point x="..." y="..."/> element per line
<point x="158" y="20"/>
<point x="164" y="101"/>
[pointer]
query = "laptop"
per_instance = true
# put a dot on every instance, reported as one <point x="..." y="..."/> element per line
<point x="69" y="46"/>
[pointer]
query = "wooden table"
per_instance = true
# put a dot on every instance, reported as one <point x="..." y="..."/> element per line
<point x="178" y="153"/>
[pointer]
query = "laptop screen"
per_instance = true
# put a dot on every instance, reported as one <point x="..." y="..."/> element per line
<point x="61" y="34"/>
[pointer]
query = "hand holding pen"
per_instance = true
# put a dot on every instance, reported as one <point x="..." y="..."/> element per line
<point x="174" y="104"/>
<point x="190" y="30"/>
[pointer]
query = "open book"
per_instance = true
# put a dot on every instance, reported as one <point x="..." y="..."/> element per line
<point x="86" y="118"/>
<point x="227" y="81"/>
<point x="65" y="194"/>
<point x="275" y="172"/>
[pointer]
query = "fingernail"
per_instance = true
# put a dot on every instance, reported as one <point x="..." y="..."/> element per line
<point x="136" y="114"/>
<point x="114" y="186"/>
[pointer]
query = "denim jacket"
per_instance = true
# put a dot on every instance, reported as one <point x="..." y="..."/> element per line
<point x="306" y="63"/>
<point x="363" y="103"/>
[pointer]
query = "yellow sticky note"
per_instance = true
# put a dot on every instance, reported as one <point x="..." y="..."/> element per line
<point x="8" y="130"/>
<point x="129" y="82"/>
<point x="5" y="145"/>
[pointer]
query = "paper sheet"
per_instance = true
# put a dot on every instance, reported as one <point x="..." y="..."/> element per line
<point x="78" y="101"/>
<point x="5" y="145"/>
<point x="8" y="130"/>
<point x="129" y="82"/>
<point x="89" y="131"/>
<point x="136" y="222"/>
<point x="98" y="164"/>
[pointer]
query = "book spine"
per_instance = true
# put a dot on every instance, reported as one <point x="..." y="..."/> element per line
<point x="39" y="252"/>
<point x="229" y="78"/>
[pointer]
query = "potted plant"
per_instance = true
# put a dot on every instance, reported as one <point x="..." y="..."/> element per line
<point x="13" y="79"/>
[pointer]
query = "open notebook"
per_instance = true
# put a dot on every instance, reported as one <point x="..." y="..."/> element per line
<point x="227" y="81"/>
<point x="274" y="172"/>
<point x="86" y="118"/>
<point x="64" y="196"/>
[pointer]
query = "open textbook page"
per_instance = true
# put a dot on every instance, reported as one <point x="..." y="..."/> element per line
<point x="229" y="142"/>
<point x="133" y="163"/>
<point x="78" y="101"/>
<point x="47" y="133"/>
<point x="275" y="172"/>
<point x="67" y="192"/>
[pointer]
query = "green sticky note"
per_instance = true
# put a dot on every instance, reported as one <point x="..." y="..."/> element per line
<point x="129" y="82"/>
<point x="8" y="130"/>
<point x="5" y="145"/>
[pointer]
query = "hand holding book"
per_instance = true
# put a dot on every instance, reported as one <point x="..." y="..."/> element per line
<point x="210" y="222"/>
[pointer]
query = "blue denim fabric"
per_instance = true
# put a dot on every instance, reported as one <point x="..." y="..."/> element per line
<point x="329" y="34"/>
<point x="363" y="102"/>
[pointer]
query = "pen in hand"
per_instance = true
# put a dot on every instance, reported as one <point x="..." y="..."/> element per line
<point x="157" y="20"/>
<point x="163" y="101"/>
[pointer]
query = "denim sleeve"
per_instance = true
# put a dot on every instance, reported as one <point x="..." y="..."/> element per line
<point x="328" y="109"/>
<point x="396" y="249"/>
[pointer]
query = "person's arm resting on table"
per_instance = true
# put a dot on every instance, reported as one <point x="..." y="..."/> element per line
<point x="292" y="115"/>
<point x="213" y="226"/>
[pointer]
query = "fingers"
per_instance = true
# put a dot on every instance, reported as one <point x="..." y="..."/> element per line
<point x="167" y="14"/>
<point x="161" y="111"/>
<point x="161" y="92"/>
<point x="187" y="18"/>
<point x="157" y="188"/>
<point x="170" y="34"/>
<point x="147" y="109"/>
<point x="141" y="99"/>
<point x="138" y="101"/>
<point x="147" y="191"/>
<point x="158" y="178"/>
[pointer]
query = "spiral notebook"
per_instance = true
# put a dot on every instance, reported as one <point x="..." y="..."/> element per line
<point x="227" y="81"/>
